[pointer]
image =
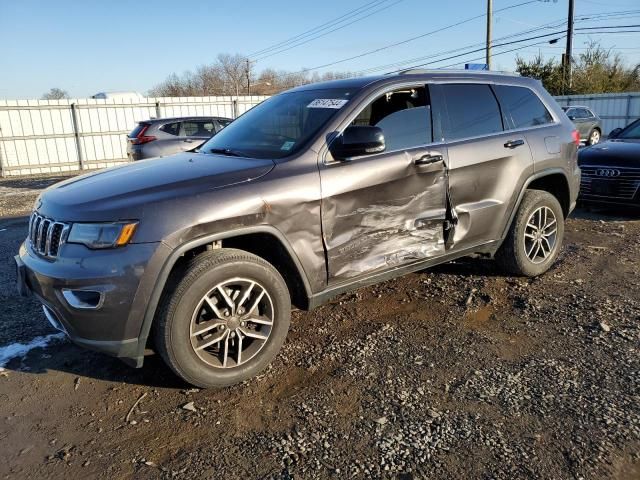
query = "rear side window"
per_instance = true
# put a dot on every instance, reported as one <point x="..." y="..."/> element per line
<point x="521" y="107"/>
<point x="197" y="129"/>
<point x="136" y="131"/>
<point x="472" y="111"/>
<point x="171" y="128"/>
<point x="584" y="113"/>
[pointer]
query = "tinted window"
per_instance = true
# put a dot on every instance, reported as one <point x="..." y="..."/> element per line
<point x="631" y="131"/>
<point x="171" y="128"/>
<point x="197" y="129"/>
<point x="403" y="115"/>
<point x="584" y="113"/>
<point x="521" y="107"/>
<point x="472" y="111"/>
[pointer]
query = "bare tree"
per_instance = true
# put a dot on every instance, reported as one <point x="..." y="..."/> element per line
<point x="235" y="71"/>
<point x="55" y="94"/>
<point x="229" y="76"/>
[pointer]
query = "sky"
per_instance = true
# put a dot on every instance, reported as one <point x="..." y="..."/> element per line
<point x="90" y="46"/>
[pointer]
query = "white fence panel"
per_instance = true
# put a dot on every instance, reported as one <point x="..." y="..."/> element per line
<point x="53" y="136"/>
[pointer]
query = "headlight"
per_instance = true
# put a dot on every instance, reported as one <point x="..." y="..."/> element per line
<point x="102" y="235"/>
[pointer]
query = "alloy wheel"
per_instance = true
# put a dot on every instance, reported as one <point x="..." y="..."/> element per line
<point x="595" y="137"/>
<point x="540" y="235"/>
<point x="232" y="323"/>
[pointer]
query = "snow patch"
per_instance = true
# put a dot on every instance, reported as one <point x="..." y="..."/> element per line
<point x="21" y="350"/>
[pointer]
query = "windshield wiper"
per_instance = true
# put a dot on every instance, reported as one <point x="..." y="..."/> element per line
<point x="227" y="151"/>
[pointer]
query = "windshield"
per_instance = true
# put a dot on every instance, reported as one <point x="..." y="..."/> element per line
<point x="631" y="131"/>
<point x="279" y="126"/>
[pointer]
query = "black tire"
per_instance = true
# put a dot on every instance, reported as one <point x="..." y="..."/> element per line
<point x="512" y="255"/>
<point x="590" y="141"/>
<point x="172" y="328"/>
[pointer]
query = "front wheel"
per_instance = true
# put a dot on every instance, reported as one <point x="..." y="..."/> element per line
<point x="224" y="320"/>
<point x="535" y="236"/>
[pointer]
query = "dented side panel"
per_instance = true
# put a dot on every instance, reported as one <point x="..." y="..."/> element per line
<point x="381" y="211"/>
<point x="485" y="178"/>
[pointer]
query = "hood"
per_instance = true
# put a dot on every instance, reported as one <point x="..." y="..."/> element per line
<point x="620" y="153"/>
<point x="123" y="192"/>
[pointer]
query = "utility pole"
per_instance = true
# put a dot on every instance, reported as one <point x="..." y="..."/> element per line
<point x="489" y="26"/>
<point x="248" y="73"/>
<point x="568" y="51"/>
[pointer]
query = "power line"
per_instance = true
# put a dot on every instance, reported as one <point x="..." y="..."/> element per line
<point x="411" y="39"/>
<point x="543" y="27"/>
<point x="314" y="30"/>
<point x="554" y="24"/>
<point x="328" y="31"/>
<point x="480" y="49"/>
<point x="496" y="54"/>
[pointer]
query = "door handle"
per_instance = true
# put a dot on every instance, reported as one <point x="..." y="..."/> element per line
<point x="514" y="143"/>
<point x="428" y="159"/>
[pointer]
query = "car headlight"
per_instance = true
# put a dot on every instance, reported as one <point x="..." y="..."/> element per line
<point x="102" y="235"/>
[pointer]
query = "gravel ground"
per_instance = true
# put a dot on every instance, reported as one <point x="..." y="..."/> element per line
<point x="454" y="372"/>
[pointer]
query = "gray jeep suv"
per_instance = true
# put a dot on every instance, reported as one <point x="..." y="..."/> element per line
<point x="316" y="191"/>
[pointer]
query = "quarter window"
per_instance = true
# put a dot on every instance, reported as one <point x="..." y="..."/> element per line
<point x="403" y="115"/>
<point x="472" y="111"/>
<point x="521" y="107"/>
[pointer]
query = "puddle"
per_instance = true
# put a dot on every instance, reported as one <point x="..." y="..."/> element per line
<point x="480" y="317"/>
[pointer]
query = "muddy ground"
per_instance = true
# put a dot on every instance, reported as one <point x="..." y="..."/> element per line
<point x="455" y="372"/>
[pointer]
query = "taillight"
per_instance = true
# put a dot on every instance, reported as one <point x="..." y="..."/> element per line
<point x="576" y="137"/>
<point x="142" y="138"/>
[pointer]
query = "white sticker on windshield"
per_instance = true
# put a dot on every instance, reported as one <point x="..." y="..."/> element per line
<point x="327" y="103"/>
<point x="287" y="145"/>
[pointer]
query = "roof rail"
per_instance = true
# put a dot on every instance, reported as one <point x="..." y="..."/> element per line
<point x="457" y="71"/>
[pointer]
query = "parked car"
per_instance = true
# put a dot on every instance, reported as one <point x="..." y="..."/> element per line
<point x="165" y="136"/>
<point x="588" y="124"/>
<point x="611" y="170"/>
<point x="315" y="192"/>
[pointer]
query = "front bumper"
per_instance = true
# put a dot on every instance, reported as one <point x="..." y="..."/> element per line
<point x="123" y="279"/>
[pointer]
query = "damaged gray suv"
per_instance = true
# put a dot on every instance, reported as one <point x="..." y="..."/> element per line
<point x="317" y="191"/>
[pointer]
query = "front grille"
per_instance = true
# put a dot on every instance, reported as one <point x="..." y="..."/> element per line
<point x="612" y="182"/>
<point x="46" y="236"/>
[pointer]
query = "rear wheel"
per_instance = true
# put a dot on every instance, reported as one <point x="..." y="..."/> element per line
<point x="535" y="236"/>
<point x="594" y="137"/>
<point x="224" y="320"/>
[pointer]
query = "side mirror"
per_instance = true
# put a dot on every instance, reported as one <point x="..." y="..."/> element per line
<point x="356" y="141"/>
<point x="615" y="132"/>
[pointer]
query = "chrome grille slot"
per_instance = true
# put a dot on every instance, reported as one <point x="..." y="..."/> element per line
<point x="46" y="235"/>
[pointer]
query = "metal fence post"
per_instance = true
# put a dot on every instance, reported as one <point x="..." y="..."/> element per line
<point x="1" y="161"/>
<point x="158" y="110"/>
<point x="627" y="115"/>
<point x="234" y="105"/>
<point x="76" y="133"/>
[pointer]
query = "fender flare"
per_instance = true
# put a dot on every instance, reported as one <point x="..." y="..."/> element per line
<point x="171" y="260"/>
<point x="543" y="173"/>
